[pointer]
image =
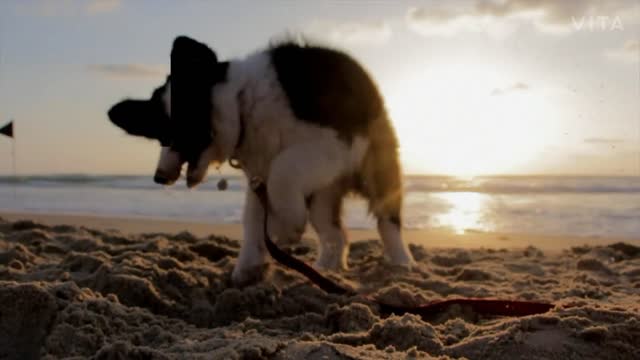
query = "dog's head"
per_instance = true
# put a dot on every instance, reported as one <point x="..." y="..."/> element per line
<point x="179" y="113"/>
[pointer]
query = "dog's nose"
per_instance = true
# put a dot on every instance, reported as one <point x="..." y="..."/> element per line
<point x="116" y="113"/>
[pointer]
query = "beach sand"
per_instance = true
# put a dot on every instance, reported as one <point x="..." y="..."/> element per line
<point x="81" y="286"/>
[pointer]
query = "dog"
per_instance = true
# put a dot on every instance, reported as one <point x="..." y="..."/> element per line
<point x="308" y="120"/>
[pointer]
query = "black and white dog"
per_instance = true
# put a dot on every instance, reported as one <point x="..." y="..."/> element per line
<point x="308" y="120"/>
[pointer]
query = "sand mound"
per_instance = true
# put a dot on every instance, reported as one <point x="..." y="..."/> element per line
<point x="67" y="291"/>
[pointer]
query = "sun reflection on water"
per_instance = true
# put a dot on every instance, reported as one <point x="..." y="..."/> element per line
<point x="467" y="212"/>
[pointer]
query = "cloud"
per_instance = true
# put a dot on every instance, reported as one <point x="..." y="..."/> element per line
<point x="549" y="11"/>
<point x="129" y="70"/>
<point x="629" y="52"/>
<point x="612" y="162"/>
<point x="375" y="32"/>
<point x="599" y="161"/>
<point x="444" y="19"/>
<point x="102" y="6"/>
<point x="553" y="11"/>
<point x="603" y="141"/>
<point x="562" y="16"/>
<point x="54" y="8"/>
<point x="517" y="87"/>
<point x="503" y="16"/>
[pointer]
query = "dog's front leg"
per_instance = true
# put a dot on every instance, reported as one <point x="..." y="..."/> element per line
<point x="324" y="213"/>
<point x="294" y="175"/>
<point x="252" y="261"/>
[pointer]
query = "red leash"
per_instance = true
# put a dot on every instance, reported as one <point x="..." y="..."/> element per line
<point x="480" y="306"/>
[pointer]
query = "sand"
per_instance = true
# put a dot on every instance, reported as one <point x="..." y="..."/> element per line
<point x="469" y="239"/>
<point x="71" y="291"/>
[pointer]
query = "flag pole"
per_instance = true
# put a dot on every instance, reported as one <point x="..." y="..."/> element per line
<point x="13" y="161"/>
<point x="13" y="153"/>
<point x="15" y="174"/>
<point x="8" y="131"/>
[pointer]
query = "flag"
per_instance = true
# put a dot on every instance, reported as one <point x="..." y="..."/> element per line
<point x="7" y="129"/>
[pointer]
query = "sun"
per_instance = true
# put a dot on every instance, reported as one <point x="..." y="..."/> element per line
<point x="450" y="120"/>
<point x="466" y="212"/>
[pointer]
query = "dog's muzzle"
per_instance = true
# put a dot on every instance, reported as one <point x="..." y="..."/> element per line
<point x="169" y="167"/>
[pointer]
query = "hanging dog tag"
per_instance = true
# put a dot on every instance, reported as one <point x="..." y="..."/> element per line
<point x="222" y="184"/>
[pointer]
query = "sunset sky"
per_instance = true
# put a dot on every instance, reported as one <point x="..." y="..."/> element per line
<point x="473" y="87"/>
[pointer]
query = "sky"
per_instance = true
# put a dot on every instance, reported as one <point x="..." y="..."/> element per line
<point x="473" y="87"/>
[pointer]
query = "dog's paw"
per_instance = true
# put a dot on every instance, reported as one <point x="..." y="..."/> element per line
<point x="244" y="276"/>
<point x="400" y="256"/>
<point x="335" y="263"/>
<point x="405" y="263"/>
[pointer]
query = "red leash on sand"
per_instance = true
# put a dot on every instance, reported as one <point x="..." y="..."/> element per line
<point x="493" y="307"/>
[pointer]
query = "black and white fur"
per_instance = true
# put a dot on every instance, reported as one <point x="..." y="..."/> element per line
<point x="308" y="120"/>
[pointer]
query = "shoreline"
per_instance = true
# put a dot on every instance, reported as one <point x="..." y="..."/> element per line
<point x="437" y="238"/>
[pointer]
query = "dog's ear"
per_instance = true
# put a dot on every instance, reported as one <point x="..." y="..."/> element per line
<point x="193" y="74"/>
<point x="133" y="116"/>
<point x="145" y="118"/>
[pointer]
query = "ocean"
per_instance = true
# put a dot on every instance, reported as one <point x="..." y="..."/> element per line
<point x="575" y="206"/>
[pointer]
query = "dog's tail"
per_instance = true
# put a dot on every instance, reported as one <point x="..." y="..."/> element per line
<point x="380" y="174"/>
